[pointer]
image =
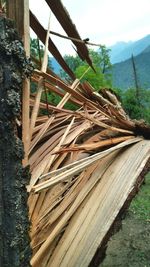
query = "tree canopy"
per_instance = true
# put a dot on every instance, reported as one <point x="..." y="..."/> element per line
<point x="37" y="51"/>
<point x="101" y="62"/>
<point x="135" y="109"/>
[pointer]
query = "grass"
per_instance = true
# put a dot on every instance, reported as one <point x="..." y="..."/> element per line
<point x="140" y="206"/>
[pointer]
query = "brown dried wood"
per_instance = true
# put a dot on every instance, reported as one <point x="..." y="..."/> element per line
<point x="65" y="189"/>
<point x="84" y="164"/>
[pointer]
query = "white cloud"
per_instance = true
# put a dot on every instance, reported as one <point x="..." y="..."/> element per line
<point x="103" y="21"/>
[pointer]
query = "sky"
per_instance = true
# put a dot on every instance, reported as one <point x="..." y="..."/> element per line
<point x="102" y="21"/>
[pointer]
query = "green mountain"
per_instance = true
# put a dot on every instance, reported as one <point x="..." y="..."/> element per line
<point x="122" y="72"/>
<point x="56" y="67"/>
<point x="122" y="51"/>
<point x="123" y="75"/>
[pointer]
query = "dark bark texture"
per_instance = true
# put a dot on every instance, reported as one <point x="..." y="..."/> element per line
<point x="14" y="225"/>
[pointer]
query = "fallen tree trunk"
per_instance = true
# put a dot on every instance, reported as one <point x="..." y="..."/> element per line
<point x="14" y="224"/>
<point x="86" y="166"/>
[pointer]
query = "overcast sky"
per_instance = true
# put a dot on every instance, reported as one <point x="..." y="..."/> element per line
<point x="103" y="21"/>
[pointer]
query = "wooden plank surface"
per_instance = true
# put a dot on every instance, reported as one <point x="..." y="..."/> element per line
<point x="91" y="222"/>
<point x="19" y="12"/>
<point x="26" y="84"/>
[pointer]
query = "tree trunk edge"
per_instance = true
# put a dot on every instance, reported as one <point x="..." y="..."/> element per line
<point x="14" y="223"/>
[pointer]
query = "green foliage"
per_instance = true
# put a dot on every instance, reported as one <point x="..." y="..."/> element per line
<point x="140" y="205"/>
<point x="54" y="99"/>
<point x="96" y="79"/>
<point x="105" y="59"/>
<point x="37" y="51"/>
<point x="73" y="62"/>
<point x="50" y="98"/>
<point x="137" y="108"/>
<point x="101" y="62"/>
<point x="101" y="77"/>
<point x="70" y="106"/>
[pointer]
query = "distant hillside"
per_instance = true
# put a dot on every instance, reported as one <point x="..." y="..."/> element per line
<point x="146" y="50"/>
<point x="55" y="65"/>
<point x="122" y="51"/>
<point x="122" y="73"/>
<point x="117" y="49"/>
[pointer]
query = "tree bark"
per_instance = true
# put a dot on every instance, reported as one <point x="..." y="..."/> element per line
<point x="14" y="224"/>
